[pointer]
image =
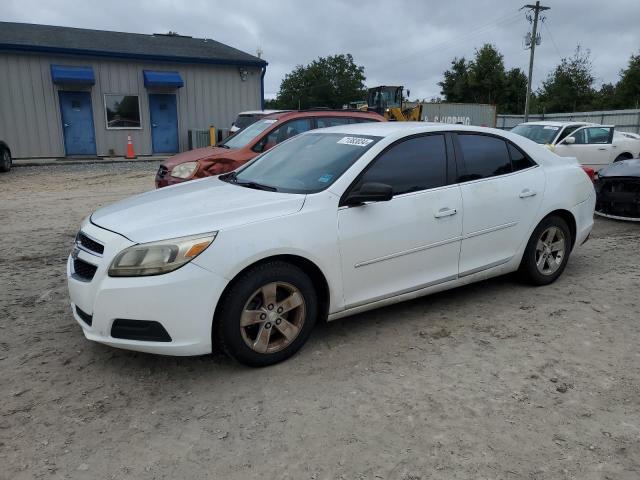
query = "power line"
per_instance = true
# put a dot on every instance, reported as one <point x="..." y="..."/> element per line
<point x="553" y="42"/>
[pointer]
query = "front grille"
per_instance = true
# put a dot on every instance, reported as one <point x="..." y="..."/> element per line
<point x="89" y="243"/>
<point x="162" y="172"/>
<point x="84" y="270"/>
<point x="142" y="330"/>
<point x="618" y="196"/>
<point x="84" y="316"/>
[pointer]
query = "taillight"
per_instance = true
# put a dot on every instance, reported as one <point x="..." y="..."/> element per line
<point x="591" y="173"/>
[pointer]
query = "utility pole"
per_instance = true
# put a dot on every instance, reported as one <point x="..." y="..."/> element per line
<point x="537" y="8"/>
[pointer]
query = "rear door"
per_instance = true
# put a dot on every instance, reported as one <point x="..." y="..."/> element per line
<point x="413" y="240"/>
<point x="502" y="190"/>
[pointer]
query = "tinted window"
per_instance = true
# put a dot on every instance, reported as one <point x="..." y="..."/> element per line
<point x="324" y="122"/>
<point x="246" y="120"/>
<point x="519" y="160"/>
<point x="361" y="120"/>
<point x="415" y="164"/>
<point x="484" y="156"/>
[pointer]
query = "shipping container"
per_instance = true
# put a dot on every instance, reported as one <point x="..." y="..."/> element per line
<point x="479" y="114"/>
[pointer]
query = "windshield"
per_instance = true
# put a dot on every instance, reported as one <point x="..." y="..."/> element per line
<point x="245" y="136"/>
<point x="245" y="120"/>
<point x="307" y="163"/>
<point x="538" y="133"/>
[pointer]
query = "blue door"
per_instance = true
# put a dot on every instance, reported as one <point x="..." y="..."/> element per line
<point x="164" y="122"/>
<point x="77" y="123"/>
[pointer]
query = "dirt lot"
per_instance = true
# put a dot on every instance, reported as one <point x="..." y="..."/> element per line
<point x="495" y="381"/>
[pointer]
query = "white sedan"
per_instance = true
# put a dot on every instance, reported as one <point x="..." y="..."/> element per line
<point x="330" y="223"/>
<point x="593" y="145"/>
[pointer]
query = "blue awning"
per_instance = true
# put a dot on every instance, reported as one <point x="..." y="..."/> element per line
<point x="75" y="75"/>
<point x="162" y="79"/>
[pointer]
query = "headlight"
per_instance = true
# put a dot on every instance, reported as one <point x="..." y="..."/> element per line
<point x="184" y="170"/>
<point x="155" y="258"/>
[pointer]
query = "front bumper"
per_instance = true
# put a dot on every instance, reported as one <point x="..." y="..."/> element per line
<point x="182" y="301"/>
<point x="618" y="198"/>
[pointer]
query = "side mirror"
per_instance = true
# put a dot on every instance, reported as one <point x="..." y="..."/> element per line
<point x="570" y="140"/>
<point x="370" y="192"/>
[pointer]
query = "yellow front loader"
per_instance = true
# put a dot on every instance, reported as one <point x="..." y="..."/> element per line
<point x="387" y="101"/>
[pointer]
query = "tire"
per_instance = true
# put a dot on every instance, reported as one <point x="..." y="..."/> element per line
<point x="5" y="160"/>
<point x="623" y="156"/>
<point x="286" y="326"/>
<point x="536" y="270"/>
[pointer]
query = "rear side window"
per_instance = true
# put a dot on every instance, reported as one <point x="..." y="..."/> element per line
<point x="362" y="120"/>
<point x="519" y="160"/>
<point x="484" y="156"/>
<point x="416" y="164"/>
<point x="323" y="122"/>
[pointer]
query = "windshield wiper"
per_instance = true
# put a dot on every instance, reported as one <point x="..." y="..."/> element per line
<point x="228" y="177"/>
<point x="222" y="145"/>
<point x="256" y="186"/>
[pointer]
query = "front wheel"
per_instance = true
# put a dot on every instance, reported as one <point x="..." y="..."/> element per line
<point x="267" y="314"/>
<point x="547" y="252"/>
<point x="5" y="160"/>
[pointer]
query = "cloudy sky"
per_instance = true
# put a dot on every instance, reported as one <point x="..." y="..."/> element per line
<point x="407" y="42"/>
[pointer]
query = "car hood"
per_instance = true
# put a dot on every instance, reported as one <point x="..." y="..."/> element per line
<point x="192" y="208"/>
<point x="623" y="168"/>
<point x="206" y="153"/>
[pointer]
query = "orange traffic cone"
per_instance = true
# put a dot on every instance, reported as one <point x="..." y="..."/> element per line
<point x="130" y="153"/>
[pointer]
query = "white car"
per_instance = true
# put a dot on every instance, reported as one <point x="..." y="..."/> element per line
<point x="593" y="145"/>
<point x="327" y="224"/>
<point x="244" y="119"/>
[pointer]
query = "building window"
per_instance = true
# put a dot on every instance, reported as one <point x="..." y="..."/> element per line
<point x="122" y="111"/>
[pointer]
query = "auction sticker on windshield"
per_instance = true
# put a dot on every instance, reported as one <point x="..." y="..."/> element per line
<point x="358" y="141"/>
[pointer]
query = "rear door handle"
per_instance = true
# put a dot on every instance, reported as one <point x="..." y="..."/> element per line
<point x="445" y="212"/>
<point x="602" y="148"/>
<point x="528" y="193"/>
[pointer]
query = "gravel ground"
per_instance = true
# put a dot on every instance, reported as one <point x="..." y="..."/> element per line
<point x="495" y="380"/>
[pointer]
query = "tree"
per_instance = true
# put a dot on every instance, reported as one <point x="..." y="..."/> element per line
<point x="627" y="92"/>
<point x="326" y="82"/>
<point x="569" y="88"/>
<point x="487" y="75"/>
<point x="484" y="80"/>
<point x="455" y="85"/>
<point x="514" y="94"/>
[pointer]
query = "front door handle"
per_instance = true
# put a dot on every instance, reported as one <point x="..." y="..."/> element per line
<point x="445" y="212"/>
<point x="528" y="193"/>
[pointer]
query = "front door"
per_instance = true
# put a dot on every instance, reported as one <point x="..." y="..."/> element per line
<point x="77" y="123"/>
<point x="164" y="122"/>
<point x="592" y="146"/>
<point x="413" y="240"/>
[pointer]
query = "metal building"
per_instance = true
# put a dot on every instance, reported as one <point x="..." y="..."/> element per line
<point x="69" y="91"/>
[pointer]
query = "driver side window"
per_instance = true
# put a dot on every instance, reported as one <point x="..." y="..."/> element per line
<point x="284" y="132"/>
<point x="413" y="165"/>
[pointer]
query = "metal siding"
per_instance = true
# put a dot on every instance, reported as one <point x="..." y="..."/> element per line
<point x="624" y="120"/>
<point x="30" y="118"/>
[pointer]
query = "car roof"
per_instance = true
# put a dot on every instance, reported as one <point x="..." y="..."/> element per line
<point x="387" y="129"/>
<point x="555" y="124"/>
<point x="321" y="112"/>
<point x="261" y="112"/>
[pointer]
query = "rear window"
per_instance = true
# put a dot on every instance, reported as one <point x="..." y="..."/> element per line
<point x="484" y="156"/>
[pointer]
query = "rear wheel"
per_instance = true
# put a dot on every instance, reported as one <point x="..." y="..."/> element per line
<point x="5" y="160"/>
<point x="547" y="252"/>
<point x="623" y="156"/>
<point x="267" y="315"/>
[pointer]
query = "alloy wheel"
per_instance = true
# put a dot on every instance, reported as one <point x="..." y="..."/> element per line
<point x="550" y="250"/>
<point x="273" y="317"/>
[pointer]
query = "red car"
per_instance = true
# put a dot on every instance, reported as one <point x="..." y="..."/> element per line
<point x="251" y="141"/>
